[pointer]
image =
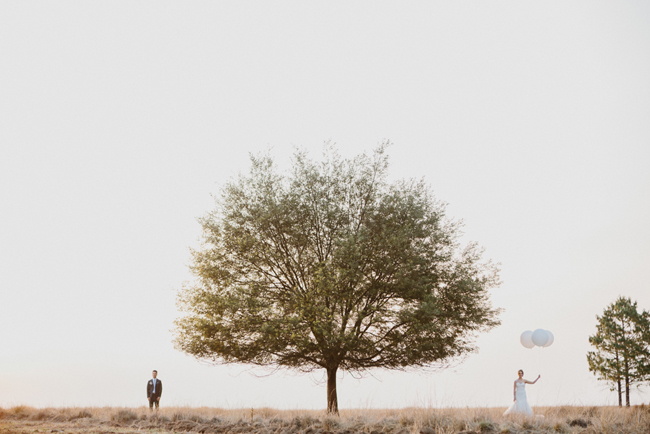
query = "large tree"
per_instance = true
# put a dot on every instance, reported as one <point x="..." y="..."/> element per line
<point x="622" y="347"/>
<point x="332" y="267"/>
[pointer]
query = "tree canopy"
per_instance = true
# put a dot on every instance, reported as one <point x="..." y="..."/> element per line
<point x="621" y="347"/>
<point x="330" y="266"/>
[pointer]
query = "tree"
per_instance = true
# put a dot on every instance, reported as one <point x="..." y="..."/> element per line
<point x="331" y="267"/>
<point x="622" y="347"/>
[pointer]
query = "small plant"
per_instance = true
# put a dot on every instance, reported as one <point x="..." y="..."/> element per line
<point x="591" y="412"/>
<point x="579" y="422"/>
<point x="82" y="414"/>
<point x="527" y="425"/>
<point x="559" y="427"/>
<point x="485" y="426"/>
<point x="41" y="415"/>
<point x="405" y="420"/>
<point x="329" y="423"/>
<point x="195" y="418"/>
<point x="20" y="411"/>
<point x="124" y="416"/>
<point x="302" y="421"/>
<point x="155" y="417"/>
<point x="177" y="416"/>
<point x="563" y="411"/>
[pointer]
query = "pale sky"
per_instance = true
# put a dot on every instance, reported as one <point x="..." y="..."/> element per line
<point x="119" y="119"/>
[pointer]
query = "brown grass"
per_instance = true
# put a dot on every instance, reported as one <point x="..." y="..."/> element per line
<point x="566" y="419"/>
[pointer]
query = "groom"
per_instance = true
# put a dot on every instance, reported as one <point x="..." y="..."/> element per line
<point x="154" y="391"/>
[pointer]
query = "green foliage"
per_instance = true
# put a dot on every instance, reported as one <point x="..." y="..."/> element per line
<point x="332" y="267"/>
<point x="622" y="346"/>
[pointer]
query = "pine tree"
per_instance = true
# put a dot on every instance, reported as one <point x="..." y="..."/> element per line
<point x="622" y="347"/>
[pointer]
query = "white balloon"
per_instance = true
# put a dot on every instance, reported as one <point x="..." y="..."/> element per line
<point x="540" y="337"/>
<point x="551" y="338"/>
<point x="526" y="339"/>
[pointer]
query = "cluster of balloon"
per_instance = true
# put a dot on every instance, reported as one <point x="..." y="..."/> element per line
<point x="540" y="337"/>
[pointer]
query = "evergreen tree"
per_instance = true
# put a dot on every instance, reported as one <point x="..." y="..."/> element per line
<point x="622" y="347"/>
<point x="331" y="267"/>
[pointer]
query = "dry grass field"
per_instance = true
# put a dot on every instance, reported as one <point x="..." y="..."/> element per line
<point x="111" y="420"/>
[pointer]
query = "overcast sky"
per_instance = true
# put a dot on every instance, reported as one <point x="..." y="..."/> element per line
<point x="119" y="119"/>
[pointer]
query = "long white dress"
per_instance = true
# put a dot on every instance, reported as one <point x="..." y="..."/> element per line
<point x="520" y="406"/>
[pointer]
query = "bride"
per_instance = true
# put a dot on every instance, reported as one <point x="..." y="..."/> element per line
<point x="520" y="406"/>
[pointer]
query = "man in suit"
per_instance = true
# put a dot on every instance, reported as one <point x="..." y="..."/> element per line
<point x="154" y="391"/>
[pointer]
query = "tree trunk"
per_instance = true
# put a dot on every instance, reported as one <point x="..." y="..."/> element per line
<point x="618" y="381"/>
<point x="627" y="367"/>
<point x="332" y="400"/>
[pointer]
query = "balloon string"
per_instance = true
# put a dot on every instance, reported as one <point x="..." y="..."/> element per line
<point x="541" y="384"/>
<point x="529" y="340"/>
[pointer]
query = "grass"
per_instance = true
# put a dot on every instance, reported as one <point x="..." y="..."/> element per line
<point x="564" y="419"/>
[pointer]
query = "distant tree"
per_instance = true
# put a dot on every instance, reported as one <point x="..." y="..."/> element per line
<point x="331" y="267"/>
<point x="622" y="347"/>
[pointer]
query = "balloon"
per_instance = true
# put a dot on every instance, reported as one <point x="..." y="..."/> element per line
<point x="526" y="339"/>
<point x="551" y="338"/>
<point x="540" y="337"/>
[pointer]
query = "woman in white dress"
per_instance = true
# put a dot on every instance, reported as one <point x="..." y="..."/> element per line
<point x="520" y="406"/>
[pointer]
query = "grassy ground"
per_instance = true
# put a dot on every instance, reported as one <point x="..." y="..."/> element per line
<point x="111" y="420"/>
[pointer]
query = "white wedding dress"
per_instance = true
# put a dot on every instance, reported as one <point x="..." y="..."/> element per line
<point x="520" y="406"/>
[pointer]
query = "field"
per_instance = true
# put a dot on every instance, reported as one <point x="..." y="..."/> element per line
<point x="111" y="420"/>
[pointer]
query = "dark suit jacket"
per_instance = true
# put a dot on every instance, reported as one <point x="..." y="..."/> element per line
<point x="150" y="388"/>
